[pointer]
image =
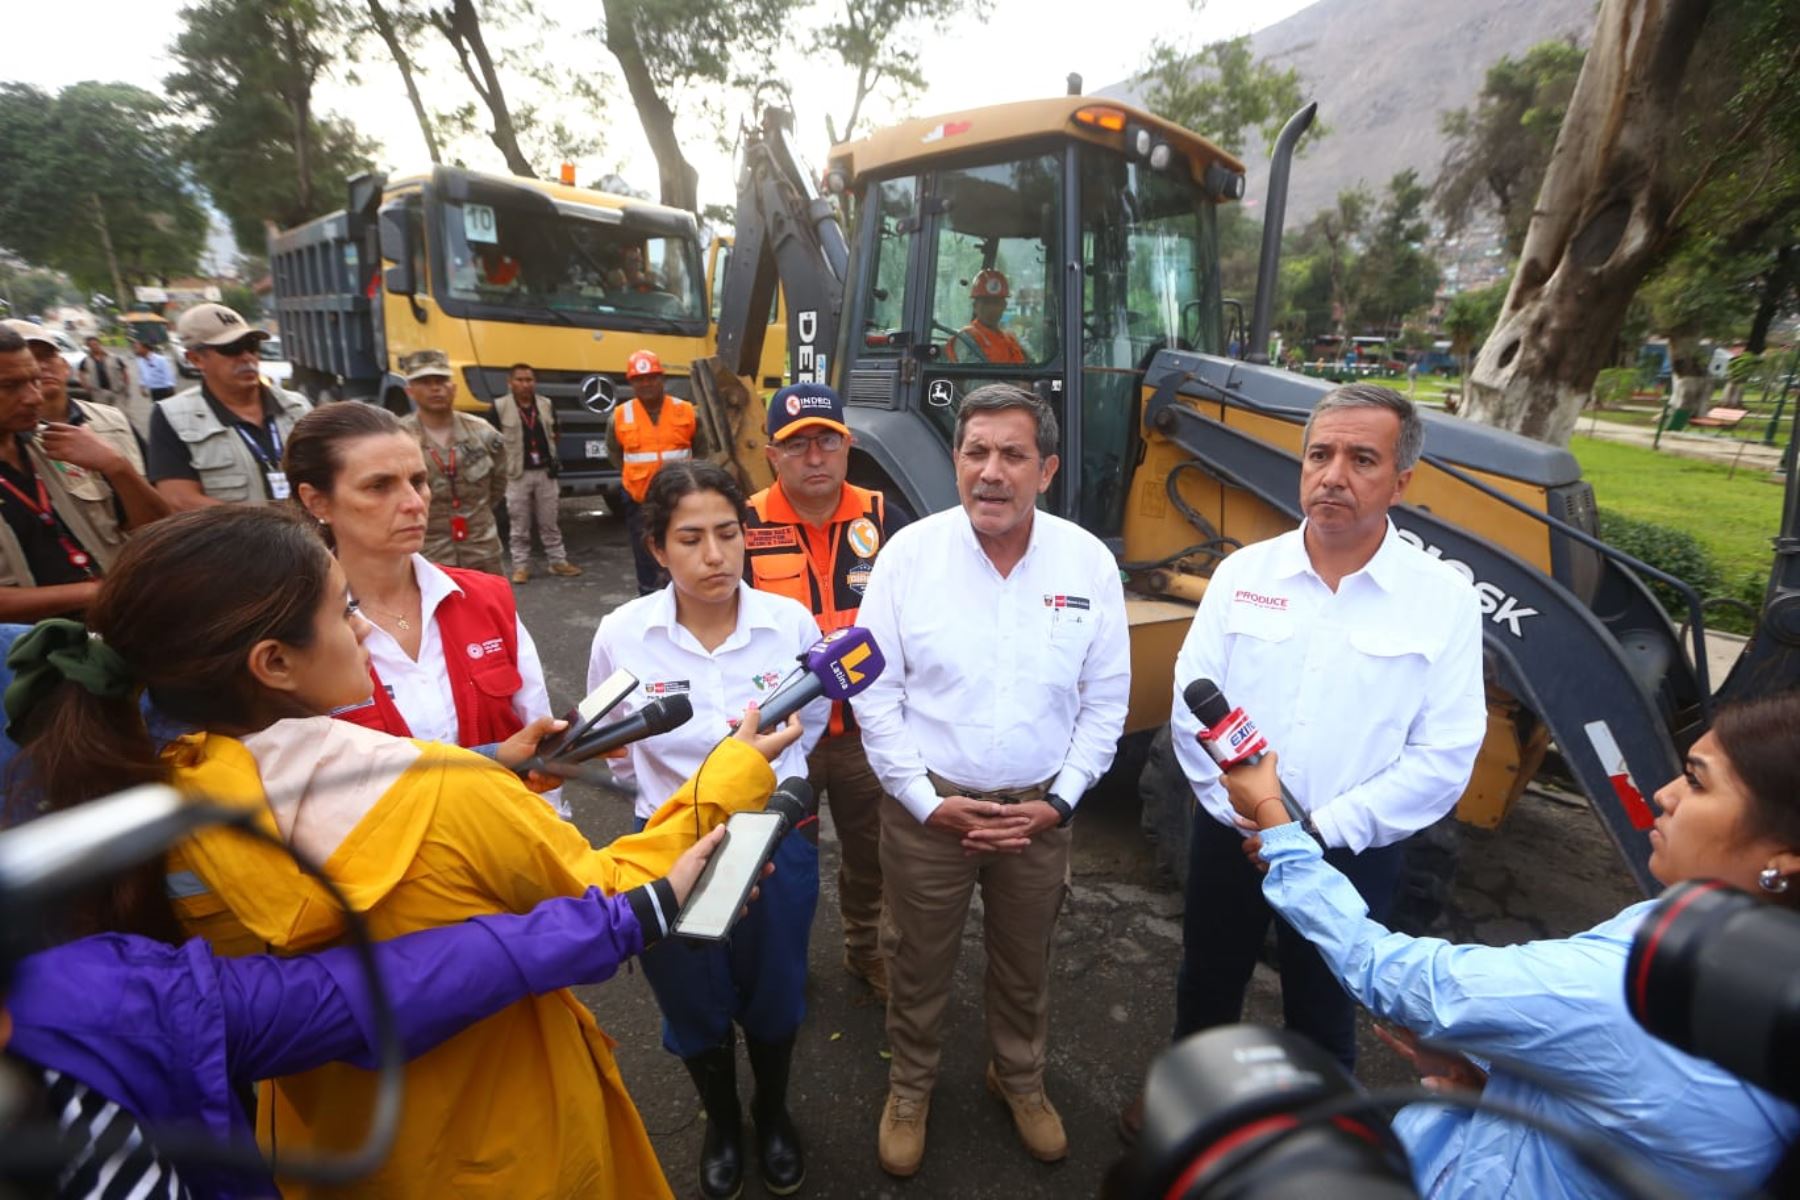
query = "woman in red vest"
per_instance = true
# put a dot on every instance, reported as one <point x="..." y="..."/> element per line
<point x="451" y="660"/>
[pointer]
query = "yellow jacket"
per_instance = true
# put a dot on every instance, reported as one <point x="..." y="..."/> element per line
<point x="528" y="1103"/>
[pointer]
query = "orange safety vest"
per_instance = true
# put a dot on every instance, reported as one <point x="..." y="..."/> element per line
<point x="646" y="445"/>
<point x="825" y="569"/>
<point x="996" y="345"/>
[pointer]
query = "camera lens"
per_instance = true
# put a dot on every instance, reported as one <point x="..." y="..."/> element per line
<point x="1716" y="973"/>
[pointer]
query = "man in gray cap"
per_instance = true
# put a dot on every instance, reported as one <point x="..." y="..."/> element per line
<point x="466" y="460"/>
<point x="221" y="442"/>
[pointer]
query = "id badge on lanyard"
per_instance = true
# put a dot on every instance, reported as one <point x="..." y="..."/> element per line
<point x="275" y="480"/>
<point x="459" y="524"/>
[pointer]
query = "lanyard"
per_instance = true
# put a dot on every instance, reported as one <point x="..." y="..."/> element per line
<point x="78" y="558"/>
<point x="449" y="472"/>
<point x="529" y="415"/>
<point x="268" y="463"/>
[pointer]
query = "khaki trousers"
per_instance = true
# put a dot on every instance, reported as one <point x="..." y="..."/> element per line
<point x="533" y="495"/>
<point x="927" y="883"/>
<point x="839" y="768"/>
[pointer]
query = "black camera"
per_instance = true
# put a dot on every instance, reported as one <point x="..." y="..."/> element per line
<point x="1716" y="973"/>
<point x="1248" y="1113"/>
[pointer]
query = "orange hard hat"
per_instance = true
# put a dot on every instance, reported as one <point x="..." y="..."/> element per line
<point x="642" y="362"/>
<point x="990" y="284"/>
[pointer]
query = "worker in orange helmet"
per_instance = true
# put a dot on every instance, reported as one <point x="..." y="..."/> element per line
<point x="648" y="430"/>
<point x="982" y="340"/>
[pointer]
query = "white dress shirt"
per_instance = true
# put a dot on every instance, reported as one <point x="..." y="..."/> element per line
<point x="154" y="370"/>
<point x="644" y="638"/>
<point x="1371" y="695"/>
<point x="994" y="682"/>
<point x="420" y="688"/>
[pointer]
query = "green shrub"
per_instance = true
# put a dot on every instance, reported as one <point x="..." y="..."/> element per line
<point x="1675" y="551"/>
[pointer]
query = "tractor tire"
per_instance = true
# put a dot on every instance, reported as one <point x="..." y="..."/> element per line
<point x="1428" y="881"/>
<point x="1166" y="808"/>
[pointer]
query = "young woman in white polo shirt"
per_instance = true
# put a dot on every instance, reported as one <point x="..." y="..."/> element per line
<point x="450" y="658"/>
<point x="724" y="644"/>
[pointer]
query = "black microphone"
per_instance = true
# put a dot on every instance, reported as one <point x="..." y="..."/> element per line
<point x="1230" y="736"/>
<point x="658" y="716"/>
<point x="794" y="800"/>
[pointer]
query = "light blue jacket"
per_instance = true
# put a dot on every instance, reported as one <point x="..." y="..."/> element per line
<point x="1558" y="1009"/>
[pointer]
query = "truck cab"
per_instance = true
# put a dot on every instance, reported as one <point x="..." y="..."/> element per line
<point x="493" y="270"/>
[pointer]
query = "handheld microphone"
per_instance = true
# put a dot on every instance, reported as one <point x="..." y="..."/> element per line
<point x="581" y="719"/>
<point x="838" y="666"/>
<point x="1230" y="736"/>
<point x="658" y="716"/>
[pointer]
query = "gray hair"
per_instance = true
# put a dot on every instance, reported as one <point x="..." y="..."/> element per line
<point x="998" y="397"/>
<point x="1411" y="442"/>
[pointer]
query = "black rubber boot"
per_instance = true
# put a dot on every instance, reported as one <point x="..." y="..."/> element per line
<point x="722" y="1155"/>
<point x="777" y="1141"/>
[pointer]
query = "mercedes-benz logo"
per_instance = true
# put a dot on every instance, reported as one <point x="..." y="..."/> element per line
<point x="597" y="394"/>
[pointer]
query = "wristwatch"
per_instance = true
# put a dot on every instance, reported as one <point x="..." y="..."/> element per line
<point x="1063" y="810"/>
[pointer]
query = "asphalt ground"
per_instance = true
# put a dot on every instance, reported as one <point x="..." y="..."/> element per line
<point x="1549" y="872"/>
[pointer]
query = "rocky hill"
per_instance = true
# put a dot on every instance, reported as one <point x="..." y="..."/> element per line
<point x="1382" y="71"/>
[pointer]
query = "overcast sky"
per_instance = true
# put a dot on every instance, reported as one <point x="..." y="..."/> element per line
<point x="1024" y="50"/>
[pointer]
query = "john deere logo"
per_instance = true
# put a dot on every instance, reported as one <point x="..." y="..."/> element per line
<point x="597" y="394"/>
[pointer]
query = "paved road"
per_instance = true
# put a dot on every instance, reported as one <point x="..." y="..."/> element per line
<point x="1550" y="872"/>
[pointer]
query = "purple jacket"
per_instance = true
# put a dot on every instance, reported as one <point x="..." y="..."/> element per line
<point x="168" y="1032"/>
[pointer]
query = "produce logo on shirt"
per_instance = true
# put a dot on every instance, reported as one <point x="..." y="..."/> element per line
<point x="766" y="680"/>
<point x="482" y="649"/>
<point x="770" y="537"/>
<point x="857" y="578"/>
<point x="863" y="537"/>
<point x="1258" y="600"/>
<point x="665" y="687"/>
<point x="1077" y="602"/>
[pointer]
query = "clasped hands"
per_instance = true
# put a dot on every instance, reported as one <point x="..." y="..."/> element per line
<point x="989" y="827"/>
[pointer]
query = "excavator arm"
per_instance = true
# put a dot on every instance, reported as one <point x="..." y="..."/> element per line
<point x="787" y="235"/>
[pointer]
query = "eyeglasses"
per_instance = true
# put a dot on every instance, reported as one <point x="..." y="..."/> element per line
<point x="249" y="344"/>
<point x="795" y="447"/>
<point x="18" y="385"/>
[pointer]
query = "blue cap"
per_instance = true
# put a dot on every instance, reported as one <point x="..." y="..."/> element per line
<point x="802" y="405"/>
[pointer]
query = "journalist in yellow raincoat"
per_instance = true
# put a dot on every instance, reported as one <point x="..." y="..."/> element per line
<point x="237" y="621"/>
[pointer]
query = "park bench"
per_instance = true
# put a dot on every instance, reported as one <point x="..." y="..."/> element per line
<point x="1719" y="418"/>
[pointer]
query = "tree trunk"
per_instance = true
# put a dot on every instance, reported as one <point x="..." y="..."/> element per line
<point x="680" y="183"/>
<point x="112" y="258"/>
<point x="1599" y="225"/>
<point x="1776" y="286"/>
<point x="384" y="25"/>
<point x="463" y="28"/>
<point x="296" y="91"/>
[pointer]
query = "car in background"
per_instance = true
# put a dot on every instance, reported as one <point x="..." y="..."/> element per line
<point x="276" y="369"/>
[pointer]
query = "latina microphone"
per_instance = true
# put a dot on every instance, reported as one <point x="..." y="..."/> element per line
<point x="1230" y="736"/>
<point x="658" y="716"/>
<point x="838" y="666"/>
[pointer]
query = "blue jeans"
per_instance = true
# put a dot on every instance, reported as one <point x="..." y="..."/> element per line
<point x="756" y="977"/>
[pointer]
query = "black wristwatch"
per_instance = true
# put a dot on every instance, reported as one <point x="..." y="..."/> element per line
<point x="1063" y="811"/>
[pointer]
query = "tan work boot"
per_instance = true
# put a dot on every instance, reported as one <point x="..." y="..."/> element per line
<point x="871" y="970"/>
<point x="521" y="575"/>
<point x="566" y="569"/>
<point x="1036" y="1119"/>
<point x="901" y="1143"/>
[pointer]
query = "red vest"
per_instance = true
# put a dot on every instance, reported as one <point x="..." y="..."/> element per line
<point x="480" y="634"/>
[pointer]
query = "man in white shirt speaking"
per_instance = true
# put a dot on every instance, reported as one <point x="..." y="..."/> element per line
<point x="1008" y="672"/>
<point x="1358" y="656"/>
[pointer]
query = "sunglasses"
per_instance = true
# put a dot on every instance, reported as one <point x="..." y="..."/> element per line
<point x="250" y="344"/>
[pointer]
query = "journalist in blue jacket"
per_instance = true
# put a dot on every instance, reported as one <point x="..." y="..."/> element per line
<point x="1558" y="1007"/>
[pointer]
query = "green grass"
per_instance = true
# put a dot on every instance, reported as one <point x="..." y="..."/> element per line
<point x="1734" y="518"/>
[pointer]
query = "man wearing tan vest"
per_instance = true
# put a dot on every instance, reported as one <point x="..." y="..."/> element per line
<point x="813" y="537"/>
<point x="646" y="431"/>
<point x="66" y="496"/>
